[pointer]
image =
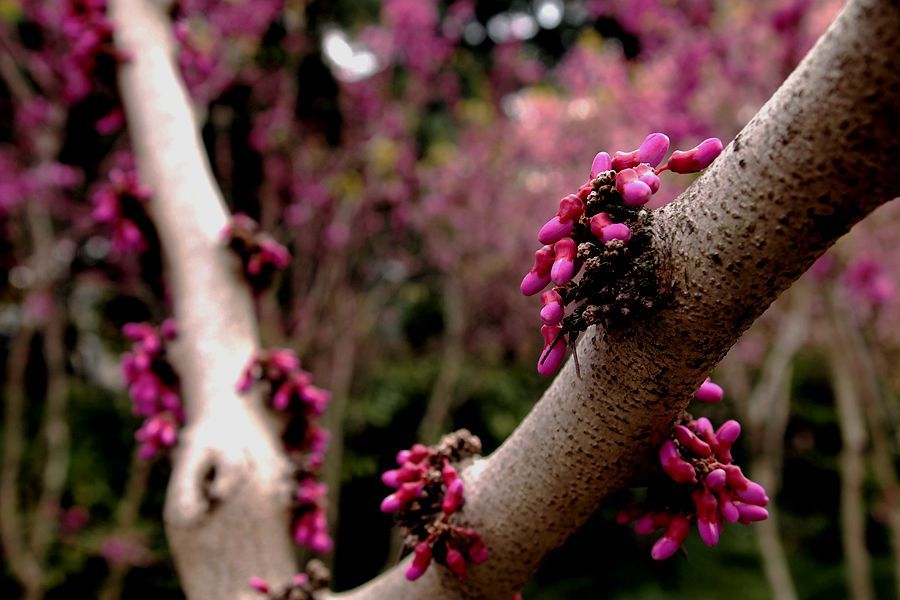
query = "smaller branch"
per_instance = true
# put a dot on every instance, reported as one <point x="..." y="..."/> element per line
<point x="20" y="559"/>
<point x="127" y="514"/>
<point x="854" y="438"/>
<point x="343" y="365"/>
<point x="766" y="409"/>
<point x="442" y="396"/>
<point x="874" y="406"/>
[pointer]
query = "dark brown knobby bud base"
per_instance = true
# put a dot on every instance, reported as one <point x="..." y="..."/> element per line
<point x="618" y="284"/>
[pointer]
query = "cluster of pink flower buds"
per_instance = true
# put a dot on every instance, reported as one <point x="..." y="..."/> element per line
<point x="590" y="230"/>
<point x="88" y="36"/>
<point x="119" y="204"/>
<point x="153" y="386"/>
<point x="302" y="586"/>
<point x="429" y="491"/>
<point x="291" y="392"/>
<point x="261" y="256"/>
<point x="703" y="486"/>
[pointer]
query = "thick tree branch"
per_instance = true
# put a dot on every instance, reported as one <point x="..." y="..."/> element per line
<point x="227" y="508"/>
<point x="817" y="158"/>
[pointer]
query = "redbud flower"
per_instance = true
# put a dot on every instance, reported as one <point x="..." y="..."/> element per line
<point x="678" y="469"/>
<point x="648" y="176"/>
<point x="456" y="562"/>
<point x="420" y="562"/>
<point x="437" y="488"/>
<point x="725" y="437"/>
<point x="563" y="268"/>
<point x="601" y="164"/>
<point x="695" y="159"/>
<point x="259" y="584"/>
<point x="570" y="210"/>
<point x="539" y="276"/>
<point x="690" y="441"/>
<point x="553" y="311"/>
<point x="653" y="149"/>
<point x="709" y="392"/>
<point x="672" y="539"/>
<point x="625" y="160"/>
<point x="616" y="231"/>
<point x="634" y="191"/>
<point x="707" y="519"/>
<point x="554" y="350"/>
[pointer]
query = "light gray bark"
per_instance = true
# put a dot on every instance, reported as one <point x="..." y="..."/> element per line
<point x="227" y="506"/>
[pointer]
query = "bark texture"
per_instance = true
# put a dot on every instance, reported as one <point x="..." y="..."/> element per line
<point x="819" y="156"/>
<point x="227" y="507"/>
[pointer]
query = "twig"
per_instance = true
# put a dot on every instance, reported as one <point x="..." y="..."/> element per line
<point x="854" y="439"/>
<point x="127" y="514"/>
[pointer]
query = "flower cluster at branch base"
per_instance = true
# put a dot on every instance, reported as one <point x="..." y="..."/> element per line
<point x="153" y="385"/>
<point x="302" y="586"/>
<point x="427" y="505"/>
<point x="603" y="229"/>
<point x="261" y="256"/>
<point x="702" y="487"/>
<point x="118" y="203"/>
<point x="291" y="392"/>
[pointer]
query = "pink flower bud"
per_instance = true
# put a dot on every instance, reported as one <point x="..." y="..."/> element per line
<point x="554" y="230"/>
<point x="563" y="268"/>
<point x="650" y="522"/>
<point x="744" y="489"/>
<point x="676" y="467"/>
<point x="707" y="519"/>
<point x="478" y="552"/>
<point x="750" y="513"/>
<point x="616" y="231"/>
<point x="551" y="358"/>
<point x="704" y="429"/>
<point x="627" y="515"/>
<point x="653" y="149"/>
<point x="421" y="560"/>
<point x="456" y="562"/>
<point x="695" y="159"/>
<point x="553" y="310"/>
<point x="539" y="276"/>
<point x="418" y="453"/>
<point x="709" y="392"/>
<point x="601" y="164"/>
<point x="390" y="504"/>
<point x="691" y="442"/>
<point x="634" y="191"/>
<point x="648" y="176"/>
<point x="598" y="222"/>
<point x="453" y="498"/>
<point x="727" y="507"/>
<point x="726" y="435"/>
<point x="259" y="584"/>
<point x="585" y="190"/>
<point x="625" y="160"/>
<point x="570" y="210"/>
<point x="672" y="539"/>
<point x="715" y="480"/>
<point x="282" y="397"/>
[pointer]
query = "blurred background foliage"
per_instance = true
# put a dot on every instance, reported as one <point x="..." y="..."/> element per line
<point x="406" y="152"/>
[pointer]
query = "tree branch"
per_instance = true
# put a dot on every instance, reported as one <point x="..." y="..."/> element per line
<point x="227" y="508"/>
<point x="819" y="156"/>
